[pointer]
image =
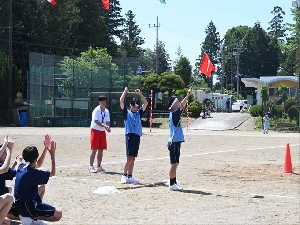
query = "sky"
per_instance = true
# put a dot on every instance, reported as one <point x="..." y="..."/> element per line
<point x="183" y="22"/>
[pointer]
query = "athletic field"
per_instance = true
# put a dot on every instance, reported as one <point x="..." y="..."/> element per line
<point x="229" y="177"/>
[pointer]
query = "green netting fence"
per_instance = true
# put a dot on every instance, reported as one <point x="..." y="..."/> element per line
<point x="61" y="97"/>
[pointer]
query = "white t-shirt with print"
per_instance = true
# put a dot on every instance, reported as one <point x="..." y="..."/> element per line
<point x="101" y="116"/>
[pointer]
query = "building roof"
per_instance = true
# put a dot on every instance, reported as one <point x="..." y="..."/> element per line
<point x="255" y="82"/>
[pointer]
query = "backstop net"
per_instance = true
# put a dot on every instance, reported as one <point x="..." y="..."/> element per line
<point x="60" y="94"/>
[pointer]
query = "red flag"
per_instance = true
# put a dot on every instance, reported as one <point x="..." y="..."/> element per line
<point x="105" y="4"/>
<point x="52" y="2"/>
<point x="206" y="65"/>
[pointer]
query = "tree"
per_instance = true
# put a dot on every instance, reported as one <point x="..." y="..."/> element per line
<point x="283" y="89"/>
<point x="130" y="39"/>
<point x="146" y="59"/>
<point x="183" y="68"/>
<point x="257" y="53"/>
<point x="81" y="72"/>
<point x="277" y="27"/>
<point x="17" y="84"/>
<point x="288" y="61"/>
<point x="198" y="83"/>
<point x="150" y="82"/>
<point x="169" y="82"/>
<point x="264" y="95"/>
<point x="211" y="46"/>
<point x="163" y="58"/>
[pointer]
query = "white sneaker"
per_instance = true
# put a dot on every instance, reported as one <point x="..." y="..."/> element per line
<point x="175" y="187"/>
<point x="92" y="169"/>
<point x="132" y="180"/>
<point x="40" y="222"/>
<point x="26" y="220"/>
<point x="100" y="169"/>
<point x="123" y="179"/>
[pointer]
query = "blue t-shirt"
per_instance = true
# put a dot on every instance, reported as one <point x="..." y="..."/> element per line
<point x="176" y="132"/>
<point x="9" y="175"/>
<point x="27" y="181"/>
<point x="132" y="121"/>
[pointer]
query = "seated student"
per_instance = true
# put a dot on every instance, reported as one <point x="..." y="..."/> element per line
<point x="28" y="203"/>
<point x="11" y="173"/>
<point x="6" y="199"/>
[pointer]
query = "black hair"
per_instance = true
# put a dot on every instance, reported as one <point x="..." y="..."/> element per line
<point x="134" y="102"/>
<point x="102" y="98"/>
<point x="30" y="153"/>
<point x="171" y="100"/>
<point x="1" y="145"/>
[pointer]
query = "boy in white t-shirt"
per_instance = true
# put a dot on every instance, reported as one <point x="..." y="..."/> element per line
<point x="99" y="125"/>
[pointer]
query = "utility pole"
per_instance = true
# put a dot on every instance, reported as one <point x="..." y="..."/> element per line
<point x="237" y="52"/>
<point x="231" y="80"/>
<point x="156" y="47"/>
<point x="223" y="66"/>
<point x="10" y="60"/>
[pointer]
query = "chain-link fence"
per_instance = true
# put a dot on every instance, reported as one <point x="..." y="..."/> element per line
<point x="66" y="96"/>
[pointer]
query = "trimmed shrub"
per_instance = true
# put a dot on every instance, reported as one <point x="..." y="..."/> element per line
<point x="195" y="108"/>
<point x="256" y="111"/>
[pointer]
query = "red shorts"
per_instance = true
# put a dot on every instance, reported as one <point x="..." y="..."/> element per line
<point x="98" y="140"/>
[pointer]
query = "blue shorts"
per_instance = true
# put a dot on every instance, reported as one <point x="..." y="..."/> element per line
<point x="132" y="144"/>
<point x="174" y="149"/>
<point x="33" y="209"/>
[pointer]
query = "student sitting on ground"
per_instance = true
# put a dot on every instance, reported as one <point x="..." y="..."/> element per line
<point x="11" y="173"/>
<point x="28" y="203"/>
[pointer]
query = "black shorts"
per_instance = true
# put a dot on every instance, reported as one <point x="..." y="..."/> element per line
<point x="132" y="144"/>
<point x="174" y="150"/>
<point x="33" y="209"/>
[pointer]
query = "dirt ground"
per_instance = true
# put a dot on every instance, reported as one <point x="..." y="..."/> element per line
<point x="229" y="177"/>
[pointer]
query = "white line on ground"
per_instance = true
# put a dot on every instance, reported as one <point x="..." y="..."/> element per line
<point x="185" y="156"/>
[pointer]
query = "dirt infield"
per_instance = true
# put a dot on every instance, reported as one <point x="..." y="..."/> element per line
<point x="229" y="177"/>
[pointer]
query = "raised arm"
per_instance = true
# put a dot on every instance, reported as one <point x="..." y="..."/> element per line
<point x="47" y="145"/>
<point x="122" y="98"/>
<point x="184" y="101"/>
<point x="5" y="166"/>
<point x="52" y="156"/>
<point x="3" y="147"/>
<point x="144" y="100"/>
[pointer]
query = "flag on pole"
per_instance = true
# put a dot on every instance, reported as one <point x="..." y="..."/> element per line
<point x="163" y="1"/>
<point x="206" y="66"/>
<point x="105" y="4"/>
<point x="52" y="2"/>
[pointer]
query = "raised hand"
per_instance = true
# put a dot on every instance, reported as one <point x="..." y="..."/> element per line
<point x="18" y="159"/>
<point x="47" y="141"/>
<point x="52" y="148"/>
<point x="10" y="143"/>
<point x="126" y="90"/>
<point x="137" y="91"/>
<point x="5" y="141"/>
